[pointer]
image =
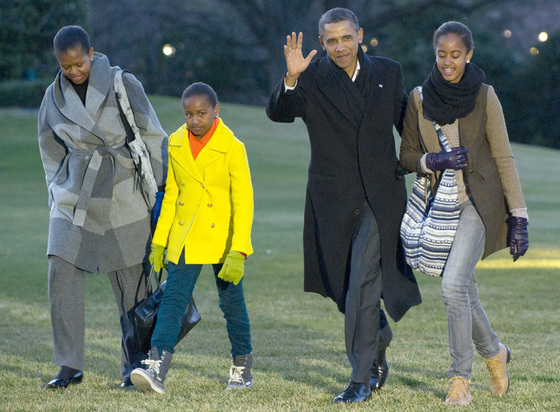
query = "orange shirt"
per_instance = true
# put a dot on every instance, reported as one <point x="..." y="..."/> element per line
<point x="196" y="144"/>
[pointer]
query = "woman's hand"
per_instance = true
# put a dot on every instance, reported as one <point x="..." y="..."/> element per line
<point x="455" y="159"/>
<point x="518" y="236"/>
<point x="233" y="268"/>
<point x="156" y="256"/>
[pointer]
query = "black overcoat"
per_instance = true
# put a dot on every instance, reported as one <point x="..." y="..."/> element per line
<point x="352" y="160"/>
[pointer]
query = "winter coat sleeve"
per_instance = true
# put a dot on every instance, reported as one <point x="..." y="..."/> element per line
<point x="411" y="148"/>
<point x="497" y="135"/>
<point x="52" y="149"/>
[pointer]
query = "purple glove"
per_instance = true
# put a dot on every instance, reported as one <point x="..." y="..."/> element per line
<point x="455" y="159"/>
<point x="518" y="236"/>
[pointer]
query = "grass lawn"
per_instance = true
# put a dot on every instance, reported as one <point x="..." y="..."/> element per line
<point x="300" y="361"/>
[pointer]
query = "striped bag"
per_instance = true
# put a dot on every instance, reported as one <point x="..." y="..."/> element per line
<point x="429" y="224"/>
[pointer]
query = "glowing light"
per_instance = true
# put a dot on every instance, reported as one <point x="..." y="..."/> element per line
<point x="374" y="42"/>
<point x="507" y="34"/>
<point x="168" y="50"/>
<point x="534" y="51"/>
<point x="364" y="48"/>
<point x="543" y="36"/>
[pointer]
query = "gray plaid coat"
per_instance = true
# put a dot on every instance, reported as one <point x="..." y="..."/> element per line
<point x="99" y="220"/>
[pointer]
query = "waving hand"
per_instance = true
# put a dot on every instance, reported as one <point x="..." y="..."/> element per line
<point x="295" y="61"/>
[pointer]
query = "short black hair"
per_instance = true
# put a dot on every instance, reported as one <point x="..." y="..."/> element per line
<point x="337" y="15"/>
<point x="457" y="28"/>
<point x="70" y="37"/>
<point x="201" y="89"/>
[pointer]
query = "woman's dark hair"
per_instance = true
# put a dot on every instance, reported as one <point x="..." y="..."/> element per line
<point x="337" y="15"/>
<point x="70" y="37"/>
<point x="201" y="89"/>
<point x="456" y="28"/>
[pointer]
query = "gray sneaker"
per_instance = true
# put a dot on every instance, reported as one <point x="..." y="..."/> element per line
<point x="153" y="378"/>
<point x="240" y="373"/>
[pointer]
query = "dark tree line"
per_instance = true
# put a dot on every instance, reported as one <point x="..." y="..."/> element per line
<point x="237" y="46"/>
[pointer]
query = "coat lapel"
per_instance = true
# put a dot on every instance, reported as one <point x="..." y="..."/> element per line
<point x="215" y="149"/>
<point x="330" y="87"/>
<point x="377" y="82"/>
<point x="72" y="107"/>
<point x="179" y="149"/>
<point x="180" y="152"/>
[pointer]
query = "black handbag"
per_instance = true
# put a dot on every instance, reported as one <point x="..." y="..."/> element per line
<point x="144" y="313"/>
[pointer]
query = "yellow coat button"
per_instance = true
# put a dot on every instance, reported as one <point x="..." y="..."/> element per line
<point x="181" y="203"/>
<point x="202" y="185"/>
<point x="212" y="225"/>
<point x="180" y="223"/>
<point x="209" y="204"/>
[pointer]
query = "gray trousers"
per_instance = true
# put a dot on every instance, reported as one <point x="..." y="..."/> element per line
<point x="366" y="329"/>
<point x="67" y="304"/>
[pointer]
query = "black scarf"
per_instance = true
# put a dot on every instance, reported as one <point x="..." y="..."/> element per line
<point x="356" y="93"/>
<point x="446" y="102"/>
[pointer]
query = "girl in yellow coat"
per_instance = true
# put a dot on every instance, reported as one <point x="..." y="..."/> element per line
<point x="206" y="218"/>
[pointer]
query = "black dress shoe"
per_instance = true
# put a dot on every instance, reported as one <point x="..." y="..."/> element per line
<point x="63" y="383"/>
<point x="379" y="374"/>
<point x="354" y="392"/>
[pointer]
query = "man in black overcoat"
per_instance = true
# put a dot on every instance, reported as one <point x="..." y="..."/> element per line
<point x="355" y="196"/>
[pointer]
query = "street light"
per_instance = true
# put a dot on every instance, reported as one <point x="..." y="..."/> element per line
<point x="168" y="50"/>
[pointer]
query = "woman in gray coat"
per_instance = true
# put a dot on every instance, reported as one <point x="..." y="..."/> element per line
<point x="493" y="212"/>
<point x="99" y="221"/>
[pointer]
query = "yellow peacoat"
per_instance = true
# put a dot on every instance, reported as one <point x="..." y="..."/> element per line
<point x="208" y="204"/>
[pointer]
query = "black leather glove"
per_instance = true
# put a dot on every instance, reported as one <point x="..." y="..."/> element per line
<point x="518" y="236"/>
<point x="455" y="159"/>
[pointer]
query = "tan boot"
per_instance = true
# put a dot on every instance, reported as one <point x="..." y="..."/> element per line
<point x="497" y="366"/>
<point x="459" y="392"/>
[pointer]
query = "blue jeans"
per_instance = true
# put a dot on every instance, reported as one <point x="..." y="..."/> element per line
<point x="467" y="320"/>
<point x="181" y="279"/>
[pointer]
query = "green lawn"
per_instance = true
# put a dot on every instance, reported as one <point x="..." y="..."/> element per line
<point x="300" y="361"/>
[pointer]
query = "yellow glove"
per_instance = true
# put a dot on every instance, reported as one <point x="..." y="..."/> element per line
<point x="156" y="256"/>
<point x="232" y="270"/>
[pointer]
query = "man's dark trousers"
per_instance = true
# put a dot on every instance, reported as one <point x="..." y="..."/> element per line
<point x="366" y="328"/>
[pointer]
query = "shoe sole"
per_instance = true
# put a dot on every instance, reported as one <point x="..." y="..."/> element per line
<point x="508" y="358"/>
<point x="346" y="400"/>
<point x="234" y="387"/>
<point x="142" y="381"/>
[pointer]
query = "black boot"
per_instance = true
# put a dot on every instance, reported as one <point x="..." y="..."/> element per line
<point x="354" y="392"/>
<point x="379" y="371"/>
<point x="66" y="376"/>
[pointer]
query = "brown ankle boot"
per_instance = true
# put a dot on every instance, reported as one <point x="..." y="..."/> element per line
<point x="459" y="392"/>
<point x="497" y="366"/>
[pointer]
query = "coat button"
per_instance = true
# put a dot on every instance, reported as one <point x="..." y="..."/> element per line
<point x="212" y="225"/>
<point x="181" y="204"/>
<point x="209" y="204"/>
<point x="180" y="223"/>
<point x="182" y="184"/>
<point x="471" y="171"/>
<point x="202" y="185"/>
<point x="357" y="211"/>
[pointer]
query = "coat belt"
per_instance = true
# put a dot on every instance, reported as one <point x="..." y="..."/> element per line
<point x="90" y="175"/>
